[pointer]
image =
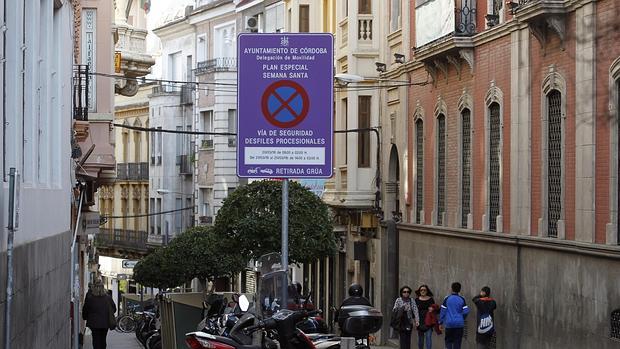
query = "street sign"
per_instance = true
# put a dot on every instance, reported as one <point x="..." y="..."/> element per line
<point x="128" y="264"/>
<point x="285" y="105"/>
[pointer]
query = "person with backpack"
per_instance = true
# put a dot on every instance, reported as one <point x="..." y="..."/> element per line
<point x="485" y="324"/>
<point x="452" y="316"/>
<point x="405" y="317"/>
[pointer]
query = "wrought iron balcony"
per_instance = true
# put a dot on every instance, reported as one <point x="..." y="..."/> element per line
<point x="80" y="92"/>
<point x="187" y="94"/>
<point x="216" y="65"/>
<point x="122" y="171"/>
<point x="205" y="219"/>
<point x="133" y="171"/>
<point x="119" y="238"/>
<point x="185" y="164"/>
<point x="465" y="18"/>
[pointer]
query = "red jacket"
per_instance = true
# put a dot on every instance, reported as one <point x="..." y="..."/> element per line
<point x="431" y="319"/>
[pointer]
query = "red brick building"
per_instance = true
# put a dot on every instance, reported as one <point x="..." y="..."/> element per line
<point x="512" y="172"/>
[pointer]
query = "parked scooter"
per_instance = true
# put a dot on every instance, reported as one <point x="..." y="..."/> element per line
<point x="270" y="325"/>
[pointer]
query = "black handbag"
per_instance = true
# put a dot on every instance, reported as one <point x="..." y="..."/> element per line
<point x="111" y="317"/>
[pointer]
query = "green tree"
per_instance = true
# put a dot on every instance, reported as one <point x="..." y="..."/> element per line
<point x="249" y="222"/>
<point x="156" y="270"/>
<point x="198" y="253"/>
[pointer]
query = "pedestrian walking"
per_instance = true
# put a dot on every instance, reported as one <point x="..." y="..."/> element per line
<point x="424" y="301"/>
<point x="485" y="321"/>
<point x="452" y="316"/>
<point x="406" y="316"/>
<point x="98" y="311"/>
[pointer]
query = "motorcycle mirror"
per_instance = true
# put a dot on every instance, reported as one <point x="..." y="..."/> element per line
<point x="244" y="303"/>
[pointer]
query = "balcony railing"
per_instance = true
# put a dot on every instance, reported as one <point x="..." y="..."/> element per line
<point x="364" y="29"/>
<point x="133" y="171"/>
<point x="216" y="64"/>
<point x="205" y="219"/>
<point x="185" y="164"/>
<point x="122" y="172"/>
<point x="187" y="94"/>
<point x="466" y="18"/>
<point x="80" y="92"/>
<point x="118" y="238"/>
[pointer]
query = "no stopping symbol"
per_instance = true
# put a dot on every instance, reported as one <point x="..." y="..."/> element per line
<point x="285" y="103"/>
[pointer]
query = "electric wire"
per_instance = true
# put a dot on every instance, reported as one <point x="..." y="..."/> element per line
<point x="178" y="84"/>
<point x="151" y="214"/>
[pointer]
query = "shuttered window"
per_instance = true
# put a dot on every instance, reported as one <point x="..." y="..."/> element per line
<point x="363" y="138"/>
<point x="304" y="18"/>
<point x="419" y="168"/>
<point x="494" y="165"/>
<point x="364" y="7"/>
<point x="554" y="162"/>
<point x="441" y="168"/>
<point x="465" y="166"/>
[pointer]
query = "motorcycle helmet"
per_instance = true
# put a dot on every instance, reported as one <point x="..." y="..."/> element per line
<point x="355" y="290"/>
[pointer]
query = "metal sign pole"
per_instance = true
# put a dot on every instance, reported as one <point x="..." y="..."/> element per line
<point x="285" y="241"/>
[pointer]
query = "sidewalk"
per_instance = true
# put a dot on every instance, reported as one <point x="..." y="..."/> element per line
<point x="116" y="340"/>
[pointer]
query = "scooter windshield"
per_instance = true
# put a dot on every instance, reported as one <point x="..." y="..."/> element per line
<point x="272" y="283"/>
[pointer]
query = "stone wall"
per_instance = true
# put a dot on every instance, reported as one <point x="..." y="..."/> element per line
<point x="41" y="299"/>
<point x="550" y="293"/>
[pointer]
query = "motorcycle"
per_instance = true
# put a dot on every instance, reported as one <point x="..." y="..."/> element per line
<point x="270" y="324"/>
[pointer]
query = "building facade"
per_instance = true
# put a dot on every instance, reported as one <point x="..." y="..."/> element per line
<point x="512" y="164"/>
<point x="171" y="107"/>
<point x="37" y="122"/>
<point x="216" y="28"/>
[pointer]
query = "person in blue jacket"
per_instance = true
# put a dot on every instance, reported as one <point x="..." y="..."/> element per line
<point x="452" y="316"/>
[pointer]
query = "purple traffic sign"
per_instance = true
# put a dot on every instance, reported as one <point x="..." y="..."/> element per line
<point x="285" y="91"/>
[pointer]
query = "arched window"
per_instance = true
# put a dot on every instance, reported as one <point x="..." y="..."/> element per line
<point x="554" y="162"/>
<point x="494" y="164"/>
<point x="441" y="168"/>
<point x="419" y="169"/>
<point x="465" y="166"/>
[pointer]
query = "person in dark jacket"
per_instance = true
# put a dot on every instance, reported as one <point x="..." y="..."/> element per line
<point x="452" y="316"/>
<point x="96" y="312"/>
<point x="356" y="297"/>
<point x="485" y="320"/>
<point x="424" y="301"/>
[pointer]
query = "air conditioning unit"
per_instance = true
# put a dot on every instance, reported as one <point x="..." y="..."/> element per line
<point x="251" y="23"/>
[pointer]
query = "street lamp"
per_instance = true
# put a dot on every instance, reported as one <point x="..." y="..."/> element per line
<point x="166" y="191"/>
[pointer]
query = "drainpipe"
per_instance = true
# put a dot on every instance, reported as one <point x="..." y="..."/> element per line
<point x="12" y="226"/>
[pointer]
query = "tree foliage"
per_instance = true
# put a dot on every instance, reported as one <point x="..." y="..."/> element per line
<point x="156" y="270"/>
<point x="249" y="222"/>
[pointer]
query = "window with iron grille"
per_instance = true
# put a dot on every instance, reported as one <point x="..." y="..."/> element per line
<point x="465" y="166"/>
<point x="494" y="166"/>
<point x="554" y="162"/>
<point x="441" y="168"/>
<point x="419" y="168"/>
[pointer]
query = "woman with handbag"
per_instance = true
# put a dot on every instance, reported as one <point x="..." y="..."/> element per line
<point x="98" y="311"/>
<point x="410" y="316"/>
<point x="424" y="301"/>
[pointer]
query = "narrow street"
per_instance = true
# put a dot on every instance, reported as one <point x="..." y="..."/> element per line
<point x="116" y="340"/>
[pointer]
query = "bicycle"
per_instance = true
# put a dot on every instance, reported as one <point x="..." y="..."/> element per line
<point x="128" y="322"/>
